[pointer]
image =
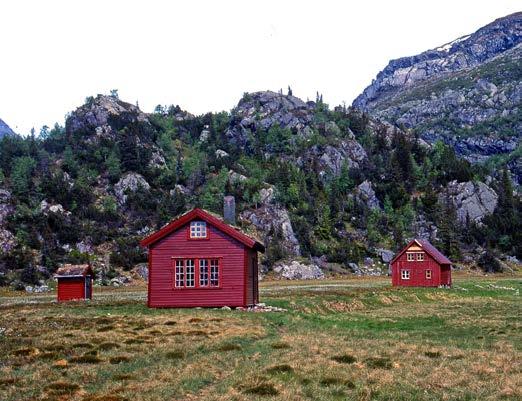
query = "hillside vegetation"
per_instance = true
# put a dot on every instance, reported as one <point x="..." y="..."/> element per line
<point x="310" y="181"/>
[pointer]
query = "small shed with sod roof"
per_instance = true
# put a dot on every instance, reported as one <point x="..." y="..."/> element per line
<point x="198" y="260"/>
<point x="74" y="282"/>
<point x="420" y="264"/>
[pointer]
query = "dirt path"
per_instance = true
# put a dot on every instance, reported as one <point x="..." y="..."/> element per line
<point x="126" y="294"/>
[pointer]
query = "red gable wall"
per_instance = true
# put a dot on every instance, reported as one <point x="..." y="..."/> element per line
<point x="233" y="270"/>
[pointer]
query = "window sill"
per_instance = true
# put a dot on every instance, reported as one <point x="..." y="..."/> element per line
<point x="197" y="288"/>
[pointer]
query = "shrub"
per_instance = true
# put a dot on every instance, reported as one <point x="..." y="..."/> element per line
<point x="345" y="358"/>
<point x="489" y="263"/>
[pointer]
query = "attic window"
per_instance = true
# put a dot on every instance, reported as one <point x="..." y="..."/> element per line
<point x="411" y="256"/>
<point x="420" y="256"/>
<point x="198" y="229"/>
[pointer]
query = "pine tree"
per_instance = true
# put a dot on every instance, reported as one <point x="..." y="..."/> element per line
<point x="113" y="166"/>
<point x="448" y="232"/>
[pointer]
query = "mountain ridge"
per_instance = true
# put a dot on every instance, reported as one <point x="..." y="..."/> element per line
<point x="466" y="93"/>
<point x="5" y="129"/>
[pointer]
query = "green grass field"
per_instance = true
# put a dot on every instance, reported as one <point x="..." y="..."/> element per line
<point x="338" y="340"/>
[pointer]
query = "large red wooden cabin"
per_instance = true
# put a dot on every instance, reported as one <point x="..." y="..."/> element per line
<point x="74" y="282"/>
<point x="199" y="260"/>
<point x="420" y="264"/>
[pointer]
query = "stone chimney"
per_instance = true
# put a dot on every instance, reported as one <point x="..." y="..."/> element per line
<point x="229" y="210"/>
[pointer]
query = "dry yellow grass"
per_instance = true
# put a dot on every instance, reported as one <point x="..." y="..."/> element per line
<point x="373" y="343"/>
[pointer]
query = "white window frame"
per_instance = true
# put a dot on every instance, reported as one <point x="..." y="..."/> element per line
<point x="198" y="229"/>
<point x="428" y="274"/>
<point x="179" y="280"/>
<point x="405" y="274"/>
<point x="204" y="276"/>
<point x="410" y="256"/>
<point x="420" y="257"/>
<point x="215" y="273"/>
<point x="190" y="273"/>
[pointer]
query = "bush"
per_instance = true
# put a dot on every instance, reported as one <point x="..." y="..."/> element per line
<point x="29" y="275"/>
<point x="127" y="253"/>
<point x="489" y="263"/>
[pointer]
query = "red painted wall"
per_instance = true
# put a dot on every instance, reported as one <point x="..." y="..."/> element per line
<point x="445" y="278"/>
<point x="252" y="279"/>
<point x="71" y="288"/>
<point x="417" y="272"/>
<point x="234" y="264"/>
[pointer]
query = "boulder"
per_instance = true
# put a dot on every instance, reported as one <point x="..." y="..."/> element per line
<point x="157" y="160"/>
<point x="354" y="267"/>
<point x="473" y="200"/>
<point x="130" y="182"/>
<point x="296" y="270"/>
<point x="84" y="246"/>
<point x="220" y="154"/>
<point x="272" y="218"/>
<point x="204" y="135"/>
<point x="385" y="254"/>
<point x="47" y="208"/>
<point x="181" y="189"/>
<point x="141" y="271"/>
<point x="7" y="242"/>
<point x="235" y="177"/>
<point x="365" y="194"/>
<point x="266" y="195"/>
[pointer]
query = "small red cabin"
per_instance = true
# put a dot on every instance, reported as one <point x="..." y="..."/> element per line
<point x="420" y="264"/>
<point x="74" y="282"/>
<point x="199" y="260"/>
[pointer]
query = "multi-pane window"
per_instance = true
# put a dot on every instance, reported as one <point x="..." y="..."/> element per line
<point x="428" y="274"/>
<point x="179" y="273"/>
<point x="203" y="273"/>
<point x="190" y="272"/>
<point x="214" y="272"/>
<point x="420" y="256"/>
<point x="410" y="256"/>
<point x="207" y="273"/>
<point x="405" y="274"/>
<point x="198" y="229"/>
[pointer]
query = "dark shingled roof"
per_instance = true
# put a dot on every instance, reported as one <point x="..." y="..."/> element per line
<point x="74" y="270"/>
<point x="434" y="252"/>
<point x="430" y="249"/>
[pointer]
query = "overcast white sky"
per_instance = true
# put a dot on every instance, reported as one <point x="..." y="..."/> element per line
<point x="203" y="55"/>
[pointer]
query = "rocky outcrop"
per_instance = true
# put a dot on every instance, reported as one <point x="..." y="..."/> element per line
<point x="385" y="254"/>
<point x="472" y="200"/>
<point x="272" y="219"/>
<point x="5" y="129"/>
<point x="260" y="111"/>
<point x="7" y="238"/>
<point x="330" y="159"/>
<point x="130" y="182"/>
<point x="103" y="116"/>
<point x="366" y="195"/>
<point x="295" y="270"/>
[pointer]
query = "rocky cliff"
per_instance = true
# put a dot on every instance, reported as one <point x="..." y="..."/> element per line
<point x="467" y="92"/>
